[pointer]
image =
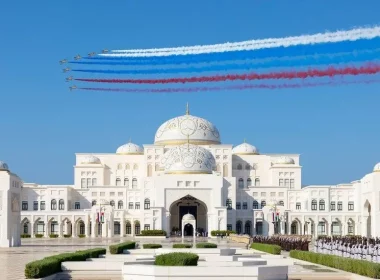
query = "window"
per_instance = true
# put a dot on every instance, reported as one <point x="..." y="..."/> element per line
<point x="281" y="203"/>
<point x="350" y="206"/>
<point x="332" y="206"/>
<point x="225" y="170"/>
<point x="134" y="183"/>
<point x="238" y="205"/>
<point x="54" y="227"/>
<point x="94" y="182"/>
<point x="263" y="203"/>
<point x="61" y="204"/>
<point x="146" y="227"/>
<point x="292" y="183"/>
<point x="281" y="182"/>
<point x="257" y="182"/>
<point x="321" y="228"/>
<point x="263" y="194"/>
<point x="25" y="228"/>
<point x="247" y="167"/>
<point x="112" y="203"/>
<point x="120" y="204"/>
<point x="88" y="182"/>
<point x="112" y="193"/>
<point x="120" y="194"/>
<point x="126" y="182"/>
<point x="313" y="205"/>
<point x="53" y="204"/>
<point x="137" y="205"/>
<point x="239" y="167"/>
<point x="286" y="182"/>
<point x="229" y="204"/>
<point x="130" y="205"/>
<point x="128" y="228"/>
<point x="241" y="183"/>
<point x="255" y="204"/>
<point x="188" y="183"/>
<point x="281" y="194"/>
<point x="35" y="205"/>
<point x="135" y="167"/>
<point x="118" y="182"/>
<point x="150" y="170"/>
<point x="247" y="228"/>
<point x="102" y="193"/>
<point x="249" y="182"/>
<point x="350" y="229"/>
<point x="137" y="227"/>
<point x="77" y="205"/>
<point x="24" y="206"/>
<point x="298" y="206"/>
<point x="94" y="202"/>
<point x="321" y="205"/>
<point x="245" y="206"/>
<point x="272" y="194"/>
<point x="157" y="167"/>
<point x="83" y="184"/>
<point x="229" y="227"/>
<point x="238" y="227"/>
<point x="340" y="206"/>
<point x="146" y="204"/>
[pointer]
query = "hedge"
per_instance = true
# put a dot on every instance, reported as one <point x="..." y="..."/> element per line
<point x="365" y="268"/>
<point x="81" y="235"/>
<point x="50" y="265"/>
<point x="38" y="235"/>
<point x="153" y="233"/>
<point x="152" y="246"/>
<point x="182" y="245"/>
<point x="25" y="236"/>
<point x="206" y="245"/>
<point x="119" y="248"/>
<point x="177" y="259"/>
<point x="268" y="248"/>
<point x="67" y="235"/>
<point x="222" y="232"/>
<point x="53" y="235"/>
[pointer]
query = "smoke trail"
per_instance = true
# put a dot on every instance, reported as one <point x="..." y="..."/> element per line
<point x="302" y="61"/>
<point x="240" y="87"/>
<point x="328" y="72"/>
<point x="330" y="37"/>
<point x="252" y="54"/>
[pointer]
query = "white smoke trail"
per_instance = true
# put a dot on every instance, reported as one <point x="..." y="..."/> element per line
<point x="329" y="37"/>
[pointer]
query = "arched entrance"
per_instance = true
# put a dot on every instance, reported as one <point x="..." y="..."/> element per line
<point x="188" y="205"/>
<point x="367" y="215"/>
<point x="188" y="230"/>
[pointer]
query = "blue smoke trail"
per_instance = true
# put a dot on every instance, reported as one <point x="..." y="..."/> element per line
<point x="302" y="61"/>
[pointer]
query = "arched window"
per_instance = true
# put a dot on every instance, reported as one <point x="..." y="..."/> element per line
<point x="255" y="204"/>
<point x="94" y="182"/>
<point x="322" y="205"/>
<point x="332" y="206"/>
<point x="218" y="167"/>
<point x="112" y="203"/>
<point x="281" y="203"/>
<point x="241" y="183"/>
<point x="225" y="170"/>
<point x="249" y="182"/>
<point x="247" y="167"/>
<point x="135" y="167"/>
<point x="239" y="167"/>
<point x="137" y="227"/>
<point x="119" y="166"/>
<point x="61" y="204"/>
<point x="150" y="170"/>
<point x="247" y="228"/>
<point x="118" y="182"/>
<point x="257" y="182"/>
<point x="128" y="227"/>
<point x="120" y="204"/>
<point x="94" y="202"/>
<point x="229" y="204"/>
<point x="238" y="227"/>
<point x="25" y="228"/>
<point x="126" y="182"/>
<point x="127" y="167"/>
<point x="134" y="183"/>
<point x="313" y="205"/>
<point x="53" y="204"/>
<point x="146" y="204"/>
<point x="157" y="167"/>
<point x="263" y="203"/>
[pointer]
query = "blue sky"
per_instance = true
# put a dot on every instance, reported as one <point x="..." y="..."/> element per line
<point x="335" y="129"/>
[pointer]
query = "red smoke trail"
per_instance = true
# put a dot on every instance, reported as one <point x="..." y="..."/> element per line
<point x="239" y="87"/>
<point x="310" y="73"/>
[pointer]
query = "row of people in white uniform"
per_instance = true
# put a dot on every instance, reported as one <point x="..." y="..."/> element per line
<point x="370" y="252"/>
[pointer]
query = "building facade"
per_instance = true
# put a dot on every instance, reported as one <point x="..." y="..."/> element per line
<point x="188" y="170"/>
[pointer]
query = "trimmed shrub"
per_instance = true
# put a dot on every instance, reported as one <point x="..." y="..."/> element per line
<point x="177" y="259"/>
<point x="38" y="235"/>
<point x="81" y="235"/>
<point x="365" y="268"/>
<point x="222" y="232"/>
<point x="152" y="246"/>
<point x="119" y="248"/>
<point x="52" y="264"/>
<point x="153" y="233"/>
<point x="182" y="245"/>
<point x="206" y="245"/>
<point x="25" y="236"/>
<point x="268" y="248"/>
<point x="67" y="235"/>
<point x="53" y="235"/>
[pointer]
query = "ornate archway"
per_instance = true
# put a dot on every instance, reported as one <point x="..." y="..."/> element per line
<point x="367" y="215"/>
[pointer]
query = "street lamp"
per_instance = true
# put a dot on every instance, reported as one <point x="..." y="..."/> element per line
<point x="275" y="215"/>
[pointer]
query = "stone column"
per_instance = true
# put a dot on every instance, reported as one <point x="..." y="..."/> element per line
<point x="167" y="221"/>
<point x="60" y="227"/>
<point x="47" y="225"/>
<point x="132" y="227"/>
<point x="122" y="226"/>
<point x="93" y="227"/>
<point x="104" y="228"/>
<point x="32" y="228"/>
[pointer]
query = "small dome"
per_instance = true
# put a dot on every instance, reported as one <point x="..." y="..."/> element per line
<point x="188" y="217"/>
<point x="377" y="168"/>
<point x="3" y="166"/>
<point x="284" y="160"/>
<point x="90" y="160"/>
<point x="188" y="159"/>
<point x="130" y="149"/>
<point x="245" y="149"/>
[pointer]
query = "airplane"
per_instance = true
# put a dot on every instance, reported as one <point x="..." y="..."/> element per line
<point x="77" y="57"/>
<point x="68" y="79"/>
<point x="72" y="88"/>
<point x="63" y="61"/>
<point x="105" y="51"/>
<point x="91" y="54"/>
<point x="66" y="70"/>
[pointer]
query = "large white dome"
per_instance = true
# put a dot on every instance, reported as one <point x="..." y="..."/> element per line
<point x="377" y="168"/>
<point x="245" y="149"/>
<point x="90" y="160"/>
<point x="188" y="159"/>
<point x="130" y="149"/>
<point x="188" y="217"/>
<point x="284" y="160"/>
<point x="186" y="128"/>
<point x="3" y="166"/>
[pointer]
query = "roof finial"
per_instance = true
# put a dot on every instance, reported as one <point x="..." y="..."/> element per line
<point x="188" y="142"/>
<point x="187" y="109"/>
<point x="130" y="140"/>
<point x="244" y="141"/>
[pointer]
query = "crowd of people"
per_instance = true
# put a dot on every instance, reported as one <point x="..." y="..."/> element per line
<point x="355" y="247"/>
<point x="286" y="242"/>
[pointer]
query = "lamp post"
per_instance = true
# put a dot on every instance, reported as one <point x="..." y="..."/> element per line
<point x="100" y="214"/>
<point x="273" y="209"/>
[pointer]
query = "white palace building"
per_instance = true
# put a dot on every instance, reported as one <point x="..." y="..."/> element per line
<point x="187" y="170"/>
